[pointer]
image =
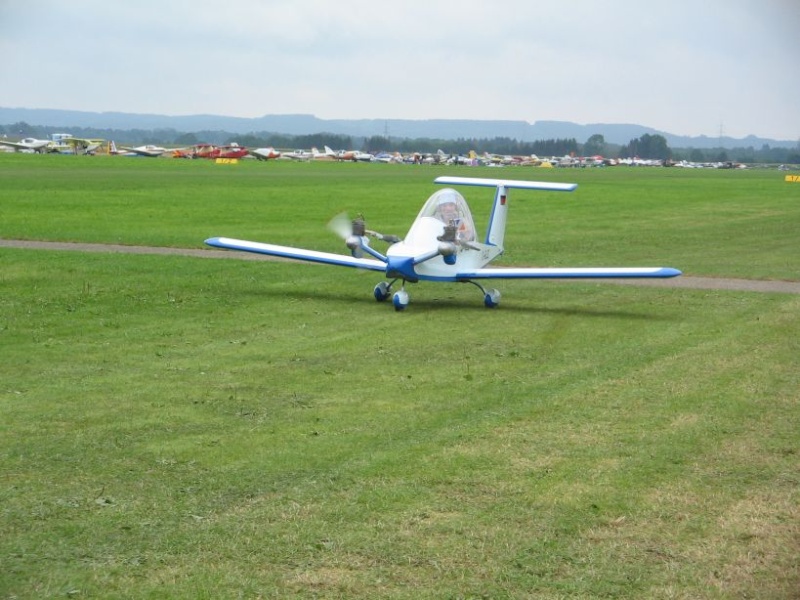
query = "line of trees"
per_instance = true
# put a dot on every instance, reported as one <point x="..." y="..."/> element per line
<point x="647" y="146"/>
<point x="499" y="145"/>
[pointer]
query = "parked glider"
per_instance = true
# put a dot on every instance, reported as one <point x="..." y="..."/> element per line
<point x="441" y="245"/>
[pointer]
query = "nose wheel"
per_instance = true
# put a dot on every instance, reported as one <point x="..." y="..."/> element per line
<point x="400" y="300"/>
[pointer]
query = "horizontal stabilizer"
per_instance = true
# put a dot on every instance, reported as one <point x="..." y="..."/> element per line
<point x="508" y="183"/>
<point x="297" y="253"/>
<point x="570" y="273"/>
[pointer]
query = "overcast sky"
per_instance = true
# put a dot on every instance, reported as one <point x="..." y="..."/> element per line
<point x="680" y="66"/>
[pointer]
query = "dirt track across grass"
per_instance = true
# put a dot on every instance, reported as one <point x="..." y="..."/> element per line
<point x="687" y="282"/>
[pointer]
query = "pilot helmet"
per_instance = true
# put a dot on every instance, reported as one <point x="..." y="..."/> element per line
<point x="447" y="197"/>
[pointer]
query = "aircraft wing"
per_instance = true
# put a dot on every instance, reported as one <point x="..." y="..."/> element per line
<point x="327" y="258"/>
<point x="547" y="186"/>
<point x="84" y="141"/>
<point x="569" y="273"/>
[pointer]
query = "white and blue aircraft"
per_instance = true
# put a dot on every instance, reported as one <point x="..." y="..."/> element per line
<point x="441" y="245"/>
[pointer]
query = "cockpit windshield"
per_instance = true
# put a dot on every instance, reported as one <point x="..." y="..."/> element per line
<point x="449" y="207"/>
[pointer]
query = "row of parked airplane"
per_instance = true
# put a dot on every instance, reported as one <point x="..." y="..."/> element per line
<point x="63" y="143"/>
<point x="66" y="143"/>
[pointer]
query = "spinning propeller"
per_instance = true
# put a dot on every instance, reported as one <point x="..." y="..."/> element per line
<point x="354" y="232"/>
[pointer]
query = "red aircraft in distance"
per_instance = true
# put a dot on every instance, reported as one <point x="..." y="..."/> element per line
<point x="232" y="150"/>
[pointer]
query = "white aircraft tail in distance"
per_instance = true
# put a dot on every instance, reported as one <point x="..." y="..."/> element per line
<point x="442" y="245"/>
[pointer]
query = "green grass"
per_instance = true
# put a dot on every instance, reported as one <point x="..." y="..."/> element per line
<point x="187" y="428"/>
<point x="705" y="222"/>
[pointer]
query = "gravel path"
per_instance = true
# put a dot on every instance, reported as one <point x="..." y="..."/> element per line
<point x="700" y="283"/>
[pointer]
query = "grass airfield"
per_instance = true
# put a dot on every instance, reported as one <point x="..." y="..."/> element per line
<point x="190" y="428"/>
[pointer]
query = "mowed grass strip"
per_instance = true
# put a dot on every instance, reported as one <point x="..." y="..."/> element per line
<point x="187" y="428"/>
<point x="706" y="222"/>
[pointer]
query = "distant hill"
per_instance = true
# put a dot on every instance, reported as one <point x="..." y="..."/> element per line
<point x="405" y="128"/>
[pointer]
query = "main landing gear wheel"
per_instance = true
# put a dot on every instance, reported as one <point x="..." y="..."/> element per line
<point x="400" y="300"/>
<point x="381" y="291"/>
<point x="491" y="298"/>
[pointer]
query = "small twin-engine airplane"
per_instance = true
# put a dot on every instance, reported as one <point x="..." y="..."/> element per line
<point x="29" y="145"/>
<point x="265" y="153"/>
<point x="148" y="150"/>
<point x="441" y="245"/>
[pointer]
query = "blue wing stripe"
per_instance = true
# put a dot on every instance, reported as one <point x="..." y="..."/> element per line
<point x="570" y="273"/>
<point x="327" y="258"/>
